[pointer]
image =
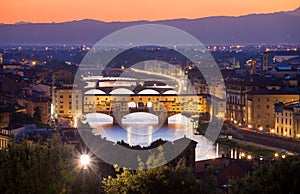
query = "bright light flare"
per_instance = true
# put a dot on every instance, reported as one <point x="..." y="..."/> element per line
<point x="84" y="160"/>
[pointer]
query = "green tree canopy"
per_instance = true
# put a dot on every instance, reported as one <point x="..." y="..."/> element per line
<point x="34" y="168"/>
<point x="163" y="179"/>
<point x="283" y="176"/>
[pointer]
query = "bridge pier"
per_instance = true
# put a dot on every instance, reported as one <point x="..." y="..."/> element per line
<point x="163" y="119"/>
<point x="116" y="121"/>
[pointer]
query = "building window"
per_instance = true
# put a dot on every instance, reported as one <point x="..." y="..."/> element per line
<point x="267" y="106"/>
<point x="61" y="96"/>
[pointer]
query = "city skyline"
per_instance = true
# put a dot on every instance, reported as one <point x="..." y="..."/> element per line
<point x="132" y="10"/>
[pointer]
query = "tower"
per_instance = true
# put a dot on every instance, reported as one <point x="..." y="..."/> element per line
<point x="253" y="67"/>
<point x="265" y="61"/>
<point x="1" y="59"/>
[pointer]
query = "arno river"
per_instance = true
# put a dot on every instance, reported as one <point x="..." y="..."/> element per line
<point x="144" y="130"/>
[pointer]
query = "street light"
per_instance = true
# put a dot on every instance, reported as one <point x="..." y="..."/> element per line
<point x="84" y="161"/>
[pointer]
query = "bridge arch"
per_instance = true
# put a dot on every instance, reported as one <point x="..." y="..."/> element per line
<point x="140" y="117"/>
<point x="95" y="92"/>
<point x="170" y="92"/>
<point x="148" y="91"/>
<point x="124" y="91"/>
<point x="94" y="119"/>
<point x="178" y="119"/>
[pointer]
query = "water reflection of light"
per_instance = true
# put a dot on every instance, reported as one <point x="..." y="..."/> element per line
<point x="145" y="133"/>
<point x="135" y="138"/>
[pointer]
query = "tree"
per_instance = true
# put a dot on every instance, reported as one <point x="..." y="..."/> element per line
<point x="163" y="179"/>
<point x="283" y="176"/>
<point x="27" y="168"/>
<point x="20" y="118"/>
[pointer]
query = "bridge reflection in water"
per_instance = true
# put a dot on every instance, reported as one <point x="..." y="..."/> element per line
<point x="145" y="129"/>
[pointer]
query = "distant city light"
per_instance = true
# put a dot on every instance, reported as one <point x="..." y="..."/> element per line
<point x="249" y="157"/>
<point x="285" y="133"/>
<point x="260" y="128"/>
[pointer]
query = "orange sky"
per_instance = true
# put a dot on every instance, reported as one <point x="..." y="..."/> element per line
<point x="127" y="10"/>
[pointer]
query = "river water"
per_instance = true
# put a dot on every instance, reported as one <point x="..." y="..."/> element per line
<point x="142" y="129"/>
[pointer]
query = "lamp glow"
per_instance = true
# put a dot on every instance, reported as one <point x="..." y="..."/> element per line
<point x="85" y="160"/>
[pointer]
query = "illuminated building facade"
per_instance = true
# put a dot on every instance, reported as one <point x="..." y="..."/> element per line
<point x="288" y="121"/>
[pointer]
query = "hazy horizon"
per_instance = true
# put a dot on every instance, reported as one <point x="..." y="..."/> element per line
<point x="58" y="11"/>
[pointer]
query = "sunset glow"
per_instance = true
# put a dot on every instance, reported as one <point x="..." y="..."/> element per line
<point x="129" y="10"/>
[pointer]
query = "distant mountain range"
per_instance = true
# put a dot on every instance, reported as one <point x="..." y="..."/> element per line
<point x="273" y="28"/>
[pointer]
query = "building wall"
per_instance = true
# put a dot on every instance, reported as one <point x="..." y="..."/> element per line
<point x="284" y="123"/>
<point x="236" y="104"/>
<point x="4" y="139"/>
<point x="62" y="76"/>
<point x="67" y="102"/>
<point x="4" y="119"/>
<point x="288" y="122"/>
<point x="261" y="109"/>
<point x="30" y="105"/>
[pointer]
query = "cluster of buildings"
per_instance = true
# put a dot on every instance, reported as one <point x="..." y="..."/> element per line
<point x="264" y="100"/>
<point x="251" y="95"/>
